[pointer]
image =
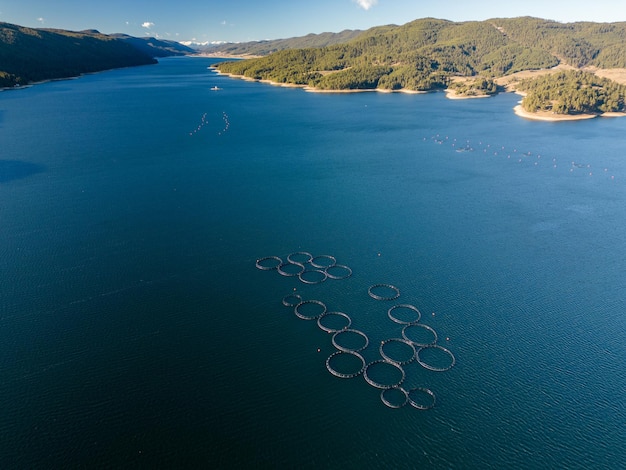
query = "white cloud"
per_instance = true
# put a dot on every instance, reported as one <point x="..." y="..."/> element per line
<point x="366" y="4"/>
<point x="147" y="24"/>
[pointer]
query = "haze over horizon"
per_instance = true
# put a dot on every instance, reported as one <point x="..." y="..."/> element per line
<point x="250" y="20"/>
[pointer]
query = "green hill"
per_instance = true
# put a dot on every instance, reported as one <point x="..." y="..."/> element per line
<point x="429" y="53"/>
<point x="29" y="55"/>
<point x="578" y="44"/>
<point x="572" y="92"/>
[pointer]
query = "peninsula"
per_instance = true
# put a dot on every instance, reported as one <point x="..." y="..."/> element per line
<point x="468" y="59"/>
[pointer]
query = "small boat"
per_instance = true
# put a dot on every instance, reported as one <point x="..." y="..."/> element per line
<point x="215" y="88"/>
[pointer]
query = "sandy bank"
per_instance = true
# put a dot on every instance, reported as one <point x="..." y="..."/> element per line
<point x="453" y="95"/>
<point x="378" y="90"/>
<point x="549" y="116"/>
<point x="613" y="114"/>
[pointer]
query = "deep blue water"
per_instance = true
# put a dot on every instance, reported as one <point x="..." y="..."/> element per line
<point x="136" y="331"/>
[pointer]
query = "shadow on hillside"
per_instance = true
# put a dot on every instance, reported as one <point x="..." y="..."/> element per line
<point x="14" y="169"/>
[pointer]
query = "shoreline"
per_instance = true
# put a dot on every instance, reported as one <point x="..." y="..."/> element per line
<point x="367" y="90"/>
<point x="450" y="94"/>
<point x="310" y="89"/>
<point x="71" y="77"/>
<point x="552" y="117"/>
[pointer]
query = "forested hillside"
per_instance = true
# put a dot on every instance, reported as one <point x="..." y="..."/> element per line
<point x="29" y="55"/>
<point x="578" y="44"/>
<point x="427" y="53"/>
<point x="572" y="92"/>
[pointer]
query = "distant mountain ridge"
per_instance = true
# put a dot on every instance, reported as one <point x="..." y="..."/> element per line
<point x="156" y="47"/>
<point x="265" y="47"/>
<point x="30" y="55"/>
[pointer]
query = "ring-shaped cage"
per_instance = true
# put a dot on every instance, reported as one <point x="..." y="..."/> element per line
<point x="397" y="340"/>
<point x="350" y="330"/>
<point x="385" y="399"/>
<point x="333" y="330"/>
<point x="260" y="263"/>
<point x="301" y="315"/>
<point x="347" y="271"/>
<point x="315" y="261"/>
<point x="402" y="322"/>
<point x="292" y="257"/>
<point x="428" y="366"/>
<point x="291" y="300"/>
<point x="425" y="327"/>
<point x="424" y="390"/>
<point x="375" y="384"/>
<point x="322" y="278"/>
<point x="373" y="295"/>
<point x="281" y="269"/>
<point x="343" y="375"/>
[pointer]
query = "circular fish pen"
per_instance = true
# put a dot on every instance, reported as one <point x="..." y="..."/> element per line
<point x="290" y="269"/>
<point x="421" y="398"/>
<point x="377" y="368"/>
<point x="347" y="333"/>
<point x="323" y="261"/>
<point x="345" y="355"/>
<point x="268" y="263"/>
<point x="409" y="333"/>
<point x="300" y="257"/>
<point x="310" y="309"/>
<point x="338" y="271"/>
<point x="312" y="276"/>
<point x="383" y="292"/>
<point x="291" y="300"/>
<point x="397" y="343"/>
<point x="323" y="318"/>
<point x="434" y="347"/>
<point x="394" y="314"/>
<point x="394" y="397"/>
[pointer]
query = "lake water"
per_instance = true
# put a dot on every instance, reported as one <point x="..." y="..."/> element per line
<point x="136" y="331"/>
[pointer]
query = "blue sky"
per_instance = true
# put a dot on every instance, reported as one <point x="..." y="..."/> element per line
<point x="248" y="20"/>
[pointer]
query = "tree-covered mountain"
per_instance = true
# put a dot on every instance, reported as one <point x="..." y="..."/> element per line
<point x="428" y="53"/>
<point x="29" y="55"/>
<point x="261" y="48"/>
<point x="578" y="44"/>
